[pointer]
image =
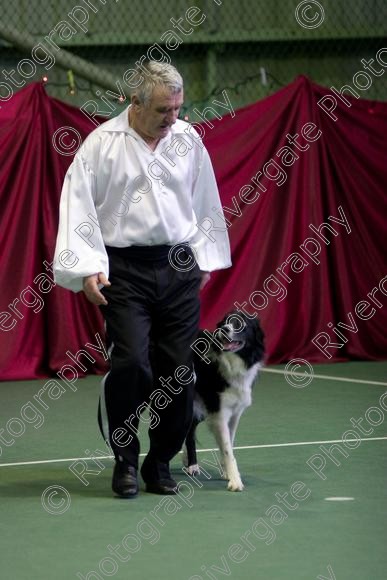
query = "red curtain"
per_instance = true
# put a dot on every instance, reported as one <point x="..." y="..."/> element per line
<point x="32" y="172"/>
<point x="333" y="173"/>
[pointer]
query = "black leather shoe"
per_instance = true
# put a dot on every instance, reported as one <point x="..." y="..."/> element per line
<point x="162" y="487"/>
<point x="125" y="483"/>
<point x="157" y="477"/>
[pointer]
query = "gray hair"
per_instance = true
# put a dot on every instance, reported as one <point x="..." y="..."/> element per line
<point x="152" y="74"/>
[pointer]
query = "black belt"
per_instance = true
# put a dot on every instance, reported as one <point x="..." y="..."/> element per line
<point x="147" y="253"/>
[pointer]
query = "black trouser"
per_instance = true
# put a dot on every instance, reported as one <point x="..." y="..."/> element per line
<point x="152" y="319"/>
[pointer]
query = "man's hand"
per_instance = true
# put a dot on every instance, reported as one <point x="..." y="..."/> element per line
<point x="205" y="278"/>
<point x="90" y="288"/>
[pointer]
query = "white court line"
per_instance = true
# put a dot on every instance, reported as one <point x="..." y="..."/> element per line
<point x="327" y="377"/>
<point x="296" y="444"/>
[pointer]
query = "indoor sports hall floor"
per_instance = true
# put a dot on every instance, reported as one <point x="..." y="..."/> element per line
<point x="69" y="530"/>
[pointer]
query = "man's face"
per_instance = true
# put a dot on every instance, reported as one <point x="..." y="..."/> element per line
<point x="155" y="119"/>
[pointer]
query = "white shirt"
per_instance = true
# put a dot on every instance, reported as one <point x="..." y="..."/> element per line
<point x="118" y="192"/>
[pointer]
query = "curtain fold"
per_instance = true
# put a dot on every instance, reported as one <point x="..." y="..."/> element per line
<point x="276" y="191"/>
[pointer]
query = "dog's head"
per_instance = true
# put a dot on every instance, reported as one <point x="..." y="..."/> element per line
<point x="241" y="334"/>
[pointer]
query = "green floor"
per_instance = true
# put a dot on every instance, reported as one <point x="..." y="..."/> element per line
<point x="206" y="532"/>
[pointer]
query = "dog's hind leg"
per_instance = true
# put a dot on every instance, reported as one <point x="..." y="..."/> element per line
<point x="189" y="454"/>
<point x="218" y="424"/>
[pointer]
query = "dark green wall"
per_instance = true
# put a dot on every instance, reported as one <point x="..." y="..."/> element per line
<point x="227" y="50"/>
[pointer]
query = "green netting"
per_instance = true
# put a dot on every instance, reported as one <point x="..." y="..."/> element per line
<point x="250" y="48"/>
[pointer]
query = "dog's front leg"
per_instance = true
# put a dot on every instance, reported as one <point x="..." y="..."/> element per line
<point x="233" y="425"/>
<point x="218" y="424"/>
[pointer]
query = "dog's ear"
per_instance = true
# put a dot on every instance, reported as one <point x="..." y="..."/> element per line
<point x="259" y="334"/>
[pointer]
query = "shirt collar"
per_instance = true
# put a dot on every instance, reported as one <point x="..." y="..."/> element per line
<point x="120" y="124"/>
<point x="117" y="124"/>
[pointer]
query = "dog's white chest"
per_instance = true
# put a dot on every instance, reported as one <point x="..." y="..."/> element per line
<point x="240" y="379"/>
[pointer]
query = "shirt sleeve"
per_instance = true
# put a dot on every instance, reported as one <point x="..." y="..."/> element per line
<point x="80" y="250"/>
<point x="210" y="242"/>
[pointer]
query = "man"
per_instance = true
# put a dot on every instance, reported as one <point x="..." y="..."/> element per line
<point x="130" y="206"/>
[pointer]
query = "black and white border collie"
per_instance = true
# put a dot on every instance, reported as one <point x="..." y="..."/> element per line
<point x="225" y="372"/>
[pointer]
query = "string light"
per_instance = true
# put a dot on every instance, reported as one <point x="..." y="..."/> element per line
<point x="235" y="88"/>
<point x="73" y="88"/>
<point x="71" y="80"/>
